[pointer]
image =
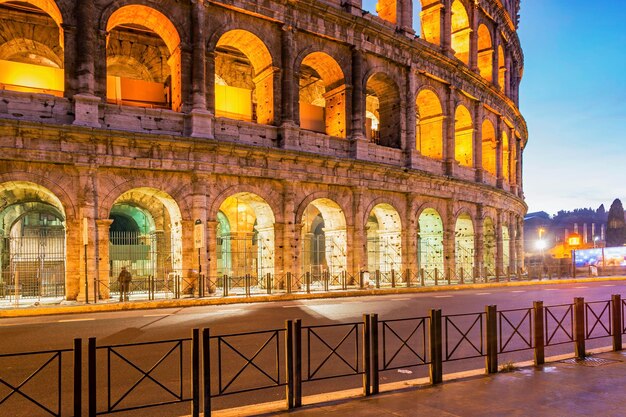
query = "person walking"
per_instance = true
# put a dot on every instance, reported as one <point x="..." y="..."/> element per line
<point x="124" y="279"/>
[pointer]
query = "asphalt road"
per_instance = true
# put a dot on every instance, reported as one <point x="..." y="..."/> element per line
<point x="57" y="332"/>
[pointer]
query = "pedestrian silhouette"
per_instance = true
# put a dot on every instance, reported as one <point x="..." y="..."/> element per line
<point x="124" y="279"/>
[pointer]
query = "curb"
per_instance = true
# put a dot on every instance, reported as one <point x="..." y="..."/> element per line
<point x="195" y="302"/>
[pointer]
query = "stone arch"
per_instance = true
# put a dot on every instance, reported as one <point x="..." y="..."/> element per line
<point x="463" y="137"/>
<point x="322" y="96"/>
<point x="245" y="64"/>
<point x="45" y="55"/>
<point x="383" y="228"/>
<point x="429" y="129"/>
<point x="383" y="102"/>
<point x="271" y="198"/>
<point x="464" y="244"/>
<point x="501" y="69"/>
<point x="506" y="156"/>
<point x="50" y="7"/>
<point x="461" y="29"/>
<point x="489" y="247"/>
<point x="485" y="53"/>
<point x="60" y="193"/>
<point x="430" y="21"/>
<point x="131" y="30"/>
<point x="430" y="244"/>
<point x="489" y="147"/>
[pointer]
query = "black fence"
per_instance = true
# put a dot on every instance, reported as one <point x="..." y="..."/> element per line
<point x="207" y="372"/>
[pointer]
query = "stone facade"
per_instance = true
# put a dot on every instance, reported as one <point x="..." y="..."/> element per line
<point x="280" y="121"/>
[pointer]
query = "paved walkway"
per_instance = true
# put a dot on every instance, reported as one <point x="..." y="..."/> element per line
<point x="595" y="388"/>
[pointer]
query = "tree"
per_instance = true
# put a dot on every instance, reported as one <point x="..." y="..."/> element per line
<point x="616" y="225"/>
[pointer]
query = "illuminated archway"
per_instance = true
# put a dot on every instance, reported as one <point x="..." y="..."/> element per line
<point x="489" y="247"/>
<point x="489" y="148"/>
<point x="324" y="239"/>
<point x="143" y="59"/>
<point x="146" y="238"/>
<point x="244" y="65"/>
<point x="501" y="69"/>
<point x="506" y="248"/>
<point x="32" y="241"/>
<point x="31" y="48"/>
<point x="383" y="102"/>
<point x="463" y="137"/>
<point x="430" y="242"/>
<point x="430" y="21"/>
<point x="245" y="238"/>
<point x="322" y="95"/>
<point x="506" y="157"/>
<point x="429" y="130"/>
<point x="385" y="9"/>
<point x="464" y="245"/>
<point x="460" y="41"/>
<point x="384" y="240"/>
<point x="485" y="53"/>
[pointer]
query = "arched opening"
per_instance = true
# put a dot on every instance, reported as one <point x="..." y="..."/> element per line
<point x="322" y="95"/>
<point x="463" y="137"/>
<point x="32" y="242"/>
<point x="489" y="248"/>
<point x="430" y="20"/>
<point x="324" y="241"/>
<point x="245" y="242"/>
<point x="31" y="47"/>
<point x="143" y="59"/>
<point x="506" y="157"/>
<point x="464" y="246"/>
<point x="489" y="148"/>
<point x="485" y="53"/>
<point x="244" y="78"/>
<point x="430" y="243"/>
<point x="460" y="41"/>
<point x="146" y="238"/>
<point x="429" y="125"/>
<point x="385" y="9"/>
<point x="506" y="249"/>
<point x="384" y="242"/>
<point x="382" y="106"/>
<point x="501" y="69"/>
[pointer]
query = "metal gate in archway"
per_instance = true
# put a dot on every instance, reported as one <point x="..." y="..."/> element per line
<point x="33" y="265"/>
<point x="245" y="263"/>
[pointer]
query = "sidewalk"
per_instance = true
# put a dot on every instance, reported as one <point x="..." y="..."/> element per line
<point x="595" y="387"/>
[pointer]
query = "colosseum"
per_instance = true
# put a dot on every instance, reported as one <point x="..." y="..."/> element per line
<point x="229" y="147"/>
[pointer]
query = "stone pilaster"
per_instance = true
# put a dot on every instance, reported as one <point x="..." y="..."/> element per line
<point x="449" y="131"/>
<point x="446" y="28"/>
<point x="199" y="118"/>
<point x="359" y="239"/>
<point x="358" y="142"/>
<point x="449" y="240"/>
<point x="104" y="272"/>
<point x="479" y="239"/>
<point x="478" y="140"/>
<point x="499" y="245"/>
<point x="473" y="37"/>
<point x="411" y="119"/>
<point x="499" y="155"/>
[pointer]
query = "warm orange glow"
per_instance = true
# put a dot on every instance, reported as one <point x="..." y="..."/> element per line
<point x="387" y="10"/>
<point x="463" y="137"/>
<point x="430" y="17"/>
<point x="485" y="53"/>
<point x="501" y="68"/>
<point x="573" y="240"/>
<point x="489" y="148"/>
<point x="135" y="92"/>
<point x="233" y="102"/>
<point x="506" y="157"/>
<point x="429" y="129"/>
<point x="18" y="76"/>
<point x="460" y="32"/>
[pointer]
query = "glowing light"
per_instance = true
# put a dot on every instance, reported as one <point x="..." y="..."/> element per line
<point x="541" y="244"/>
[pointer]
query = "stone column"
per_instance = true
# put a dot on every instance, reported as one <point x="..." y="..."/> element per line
<point x="518" y="168"/>
<point x="512" y="242"/>
<point x="184" y="64"/>
<point x="359" y="145"/>
<point x="200" y="120"/>
<point x="473" y="49"/>
<point x="499" y="247"/>
<point x="288" y="79"/>
<point x="410" y="235"/>
<point x="290" y="237"/>
<point x="104" y="259"/>
<point x="479" y="240"/>
<point x="211" y="231"/>
<point x="478" y="140"/>
<point x="189" y="276"/>
<point x="449" y="127"/>
<point x="495" y="71"/>
<point x="199" y="212"/>
<point x="449" y="240"/>
<point x="446" y="28"/>
<point x="69" y="60"/>
<point x="75" y="261"/>
<point x="507" y="74"/>
<point x="406" y="17"/>
<point x="359" y="239"/>
<point x="411" y="119"/>
<point x="209" y="79"/>
<point x="278" y="232"/>
<point x="499" y="157"/>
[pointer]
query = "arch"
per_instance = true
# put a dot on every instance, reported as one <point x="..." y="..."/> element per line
<point x="485" y="53"/>
<point x="501" y="69"/>
<point x="32" y="57"/>
<point x="384" y="240"/>
<point x="430" y="242"/>
<point x="506" y="157"/>
<point x="131" y="41"/>
<point x="489" y="148"/>
<point x="322" y="95"/>
<point x="464" y="245"/>
<point x="489" y="247"/>
<point x="463" y="137"/>
<point x="430" y="21"/>
<point x="429" y="129"/>
<point x="383" y="101"/>
<point x="460" y="41"/>
<point x="244" y="63"/>
<point x="324" y="239"/>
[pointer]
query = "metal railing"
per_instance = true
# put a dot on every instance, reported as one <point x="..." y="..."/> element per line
<point x="203" y="371"/>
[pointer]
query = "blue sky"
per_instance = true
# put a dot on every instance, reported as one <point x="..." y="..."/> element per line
<point x="572" y="96"/>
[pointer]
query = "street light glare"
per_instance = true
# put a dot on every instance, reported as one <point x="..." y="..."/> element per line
<point x="541" y="244"/>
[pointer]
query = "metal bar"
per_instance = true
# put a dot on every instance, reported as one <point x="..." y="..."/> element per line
<point x="289" y="284"/>
<point x="540" y="357"/>
<point x="366" y="355"/>
<point x="297" y="374"/>
<point x="195" y="373"/>
<point x="616" y="322"/>
<point x="91" y="375"/>
<point x="491" y="360"/>
<point x="375" y="359"/>
<point x="206" y="371"/>
<point x="78" y="376"/>
<point x="268" y="282"/>
<point x="436" y="348"/>
<point x="579" y="327"/>
<point x="289" y="371"/>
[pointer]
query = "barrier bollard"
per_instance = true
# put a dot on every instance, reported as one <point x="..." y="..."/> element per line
<point x="436" y="348"/>
<point x="375" y="353"/>
<point x="616" y="305"/>
<point x="297" y="366"/>
<point x="195" y="373"/>
<point x="78" y="376"/>
<point x="268" y="283"/>
<point x="344" y="279"/>
<point x="579" y="327"/>
<point x="538" y="333"/>
<point x="393" y="278"/>
<point x="367" y="381"/>
<point x="206" y="371"/>
<point x="491" y="360"/>
<point x="307" y="279"/>
<point x="226" y="285"/>
<point x="289" y="394"/>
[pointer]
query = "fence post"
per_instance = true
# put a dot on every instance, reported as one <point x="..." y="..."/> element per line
<point x="91" y="375"/>
<point x="195" y="372"/>
<point x="579" y="327"/>
<point x="206" y="370"/>
<point x="326" y="278"/>
<point x="422" y="277"/>
<point x="375" y="353"/>
<point x="491" y="360"/>
<point x="367" y="357"/>
<point x="436" y="348"/>
<point x="344" y="280"/>
<point x="538" y="333"/>
<point x="78" y="376"/>
<point x="289" y="362"/>
<point x="307" y="279"/>
<point x="297" y="366"/>
<point x="450" y="276"/>
<point x="268" y="283"/>
<point x="462" y="273"/>
<point x="436" y="276"/>
<point x="225" y="284"/>
<point x="289" y="283"/>
<point x="408" y="278"/>
<point x="393" y="278"/>
<point x="247" y="279"/>
<point x="377" y="276"/>
<point x="616" y="301"/>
